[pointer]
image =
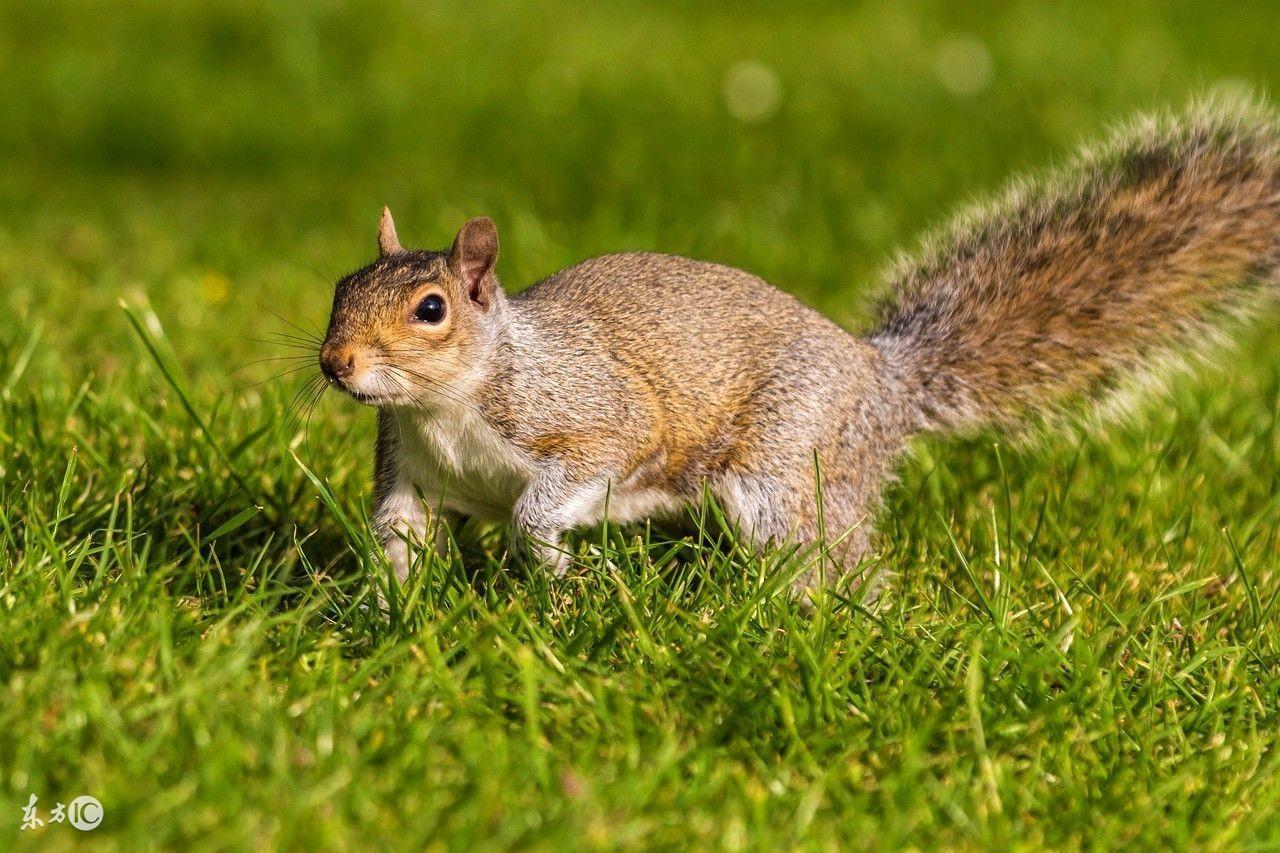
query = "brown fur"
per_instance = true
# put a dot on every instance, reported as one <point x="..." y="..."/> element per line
<point x="649" y="377"/>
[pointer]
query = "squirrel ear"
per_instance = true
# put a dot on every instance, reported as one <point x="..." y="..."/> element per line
<point x="388" y="242"/>
<point x="472" y="258"/>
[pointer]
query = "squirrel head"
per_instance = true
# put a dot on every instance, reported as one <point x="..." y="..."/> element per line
<point x="412" y="328"/>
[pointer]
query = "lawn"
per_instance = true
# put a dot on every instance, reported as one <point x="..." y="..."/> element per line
<point x="1081" y="647"/>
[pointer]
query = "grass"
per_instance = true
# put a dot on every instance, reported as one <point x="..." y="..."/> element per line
<point x="1082" y="645"/>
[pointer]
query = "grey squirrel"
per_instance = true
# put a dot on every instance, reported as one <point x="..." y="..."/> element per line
<point x="635" y="381"/>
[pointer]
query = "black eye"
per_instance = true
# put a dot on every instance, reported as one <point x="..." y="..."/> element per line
<point x="430" y="310"/>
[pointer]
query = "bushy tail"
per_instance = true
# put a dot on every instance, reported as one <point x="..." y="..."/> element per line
<point x="1093" y="277"/>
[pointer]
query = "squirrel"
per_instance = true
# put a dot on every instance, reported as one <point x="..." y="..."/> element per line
<point x="626" y="385"/>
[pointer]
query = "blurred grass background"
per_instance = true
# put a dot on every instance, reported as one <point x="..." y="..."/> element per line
<point x="223" y="161"/>
<point x="212" y="154"/>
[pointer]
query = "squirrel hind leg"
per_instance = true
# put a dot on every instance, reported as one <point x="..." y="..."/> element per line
<point x="835" y="539"/>
<point x="763" y="507"/>
<point x="774" y="511"/>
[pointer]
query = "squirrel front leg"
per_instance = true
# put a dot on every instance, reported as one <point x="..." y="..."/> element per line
<point x="401" y="519"/>
<point x="404" y="523"/>
<point x="553" y="502"/>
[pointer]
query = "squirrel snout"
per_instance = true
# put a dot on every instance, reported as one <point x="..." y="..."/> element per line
<point x="337" y="362"/>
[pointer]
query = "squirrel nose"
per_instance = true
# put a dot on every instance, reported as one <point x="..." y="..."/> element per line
<point x="337" y="363"/>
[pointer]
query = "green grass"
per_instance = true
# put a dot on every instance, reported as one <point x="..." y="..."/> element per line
<point x="1082" y="648"/>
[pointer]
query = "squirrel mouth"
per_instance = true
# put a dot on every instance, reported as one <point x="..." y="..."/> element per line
<point x="361" y="397"/>
<point x="358" y="396"/>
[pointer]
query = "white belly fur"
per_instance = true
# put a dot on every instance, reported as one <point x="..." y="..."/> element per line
<point x="629" y="502"/>
<point x="459" y="462"/>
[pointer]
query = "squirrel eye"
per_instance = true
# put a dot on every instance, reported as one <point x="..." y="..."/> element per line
<point x="430" y="310"/>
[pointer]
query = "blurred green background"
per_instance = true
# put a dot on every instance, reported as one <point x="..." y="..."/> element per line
<point x="222" y="162"/>
<point x="218" y="156"/>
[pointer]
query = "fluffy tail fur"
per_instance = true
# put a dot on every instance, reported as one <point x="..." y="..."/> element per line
<point x="1075" y="285"/>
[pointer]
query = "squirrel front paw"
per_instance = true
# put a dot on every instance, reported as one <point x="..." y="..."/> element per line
<point x="542" y="550"/>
